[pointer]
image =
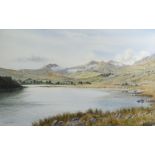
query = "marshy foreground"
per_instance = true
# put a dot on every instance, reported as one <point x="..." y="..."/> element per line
<point x="125" y="117"/>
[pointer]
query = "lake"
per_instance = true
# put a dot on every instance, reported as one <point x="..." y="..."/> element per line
<point x="37" y="102"/>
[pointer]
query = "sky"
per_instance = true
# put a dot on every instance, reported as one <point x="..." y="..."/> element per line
<point x="21" y="48"/>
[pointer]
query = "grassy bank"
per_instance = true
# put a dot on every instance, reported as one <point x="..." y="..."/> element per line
<point x="127" y="117"/>
<point x="149" y="89"/>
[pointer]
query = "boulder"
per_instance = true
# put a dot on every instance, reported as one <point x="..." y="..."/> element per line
<point x="54" y="122"/>
<point x="75" y="119"/>
<point x="60" y="123"/>
<point x="93" y="120"/>
<point x="140" y="101"/>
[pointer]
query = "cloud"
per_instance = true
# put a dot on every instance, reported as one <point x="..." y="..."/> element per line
<point x="34" y="48"/>
<point x="130" y="56"/>
<point x="35" y="59"/>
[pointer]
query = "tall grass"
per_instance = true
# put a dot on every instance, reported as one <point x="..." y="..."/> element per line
<point x="132" y="116"/>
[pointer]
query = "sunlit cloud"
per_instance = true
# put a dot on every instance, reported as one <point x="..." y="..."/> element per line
<point x="130" y="56"/>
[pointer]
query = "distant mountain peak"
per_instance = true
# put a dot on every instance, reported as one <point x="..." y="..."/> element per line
<point x="93" y="62"/>
<point x="52" y="67"/>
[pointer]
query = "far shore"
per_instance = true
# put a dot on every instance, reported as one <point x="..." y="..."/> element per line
<point x="144" y="91"/>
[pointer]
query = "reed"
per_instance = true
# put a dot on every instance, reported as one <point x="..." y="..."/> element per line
<point x="96" y="117"/>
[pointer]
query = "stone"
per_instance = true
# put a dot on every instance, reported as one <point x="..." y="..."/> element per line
<point x="135" y="92"/>
<point x="140" y="101"/>
<point x="75" y="119"/>
<point x="54" y="122"/>
<point x="75" y="122"/>
<point x="60" y="123"/>
<point x="93" y="120"/>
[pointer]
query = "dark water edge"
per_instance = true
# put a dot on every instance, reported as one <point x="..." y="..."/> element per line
<point x="11" y="89"/>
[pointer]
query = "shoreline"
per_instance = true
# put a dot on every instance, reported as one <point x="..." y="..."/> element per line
<point x="136" y="90"/>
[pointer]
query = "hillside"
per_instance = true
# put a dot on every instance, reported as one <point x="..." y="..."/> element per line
<point x="141" y="72"/>
<point x="95" y="66"/>
<point x="94" y="71"/>
<point x="97" y="72"/>
<point x="56" y="73"/>
<point x="35" y="74"/>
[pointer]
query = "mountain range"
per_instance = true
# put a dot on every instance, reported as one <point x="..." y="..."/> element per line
<point x="94" y="71"/>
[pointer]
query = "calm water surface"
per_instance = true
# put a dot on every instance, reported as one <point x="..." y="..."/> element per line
<point x="35" y="102"/>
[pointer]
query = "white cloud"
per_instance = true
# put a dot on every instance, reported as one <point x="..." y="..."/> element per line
<point x="130" y="56"/>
